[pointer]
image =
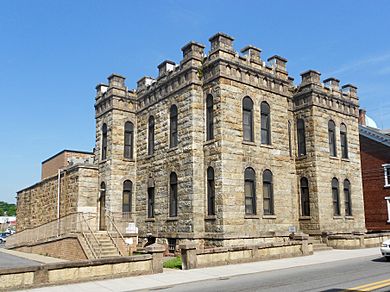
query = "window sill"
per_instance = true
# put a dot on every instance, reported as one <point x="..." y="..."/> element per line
<point x="249" y="143"/>
<point x="129" y="160"/>
<point x="251" y="217"/>
<point x="173" y="149"/>
<point x="337" y="217"/>
<point x="172" y="219"/>
<point x="208" y="142"/>
<point x="150" y="220"/>
<point x="269" y="216"/>
<point x="349" y="218"/>
<point x="149" y="156"/>
<point x="304" y="218"/>
<point x="210" y="217"/>
<point x="345" y="159"/>
<point x="333" y="157"/>
<point x="302" y="157"/>
<point x="269" y="146"/>
<point x="386" y="186"/>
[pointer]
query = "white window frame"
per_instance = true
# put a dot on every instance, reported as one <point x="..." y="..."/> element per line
<point x="387" y="178"/>
<point x="388" y="208"/>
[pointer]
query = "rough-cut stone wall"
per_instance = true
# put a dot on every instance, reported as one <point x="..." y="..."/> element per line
<point x="37" y="204"/>
<point x="114" y="107"/>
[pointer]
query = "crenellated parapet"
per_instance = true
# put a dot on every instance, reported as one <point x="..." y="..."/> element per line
<point x="115" y="94"/>
<point x="172" y="77"/>
<point x="248" y="68"/>
<point x="326" y="94"/>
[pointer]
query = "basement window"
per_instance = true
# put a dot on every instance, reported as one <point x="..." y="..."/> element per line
<point x="172" y="245"/>
<point x="387" y="174"/>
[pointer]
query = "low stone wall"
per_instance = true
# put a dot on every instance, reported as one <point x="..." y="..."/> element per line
<point x="67" y="272"/>
<point x="354" y="241"/>
<point x="64" y="247"/>
<point x="193" y="258"/>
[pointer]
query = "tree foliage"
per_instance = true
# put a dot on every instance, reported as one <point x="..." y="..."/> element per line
<point x="7" y="209"/>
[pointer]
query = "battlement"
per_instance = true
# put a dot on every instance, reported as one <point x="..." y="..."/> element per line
<point x="327" y="93"/>
<point x="223" y="61"/>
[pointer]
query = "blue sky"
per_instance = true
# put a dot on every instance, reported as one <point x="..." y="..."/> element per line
<point x="53" y="53"/>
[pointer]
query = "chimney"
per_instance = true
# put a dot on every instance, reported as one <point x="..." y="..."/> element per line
<point x="252" y="52"/>
<point x="165" y="67"/>
<point x="332" y="83"/>
<point x="362" y="116"/>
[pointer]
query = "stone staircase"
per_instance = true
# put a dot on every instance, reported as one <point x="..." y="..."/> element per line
<point x="318" y="245"/>
<point x="103" y="247"/>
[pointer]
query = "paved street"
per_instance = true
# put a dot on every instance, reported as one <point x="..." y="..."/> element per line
<point x="330" y="271"/>
<point x="334" y="276"/>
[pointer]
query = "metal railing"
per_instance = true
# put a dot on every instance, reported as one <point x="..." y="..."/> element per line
<point x="96" y="251"/>
<point x="72" y="223"/>
<point x="115" y="235"/>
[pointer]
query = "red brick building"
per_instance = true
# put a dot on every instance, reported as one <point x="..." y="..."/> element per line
<point x="375" y="159"/>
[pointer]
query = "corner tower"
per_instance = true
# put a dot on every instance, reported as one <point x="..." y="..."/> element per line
<point x="115" y="154"/>
<point x="327" y="156"/>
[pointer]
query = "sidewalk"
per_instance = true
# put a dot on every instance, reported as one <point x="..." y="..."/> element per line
<point x="32" y="256"/>
<point x="175" y="277"/>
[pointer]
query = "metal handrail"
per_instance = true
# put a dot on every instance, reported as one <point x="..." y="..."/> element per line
<point x="117" y="233"/>
<point x="90" y="245"/>
<point x="94" y="237"/>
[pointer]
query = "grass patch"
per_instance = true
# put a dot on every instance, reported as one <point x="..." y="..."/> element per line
<point x="174" y="263"/>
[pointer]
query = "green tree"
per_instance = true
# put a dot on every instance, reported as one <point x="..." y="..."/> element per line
<point x="9" y="209"/>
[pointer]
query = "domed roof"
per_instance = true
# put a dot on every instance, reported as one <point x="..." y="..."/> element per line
<point x="370" y="122"/>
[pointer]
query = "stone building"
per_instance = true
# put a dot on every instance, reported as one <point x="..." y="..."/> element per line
<point x="224" y="149"/>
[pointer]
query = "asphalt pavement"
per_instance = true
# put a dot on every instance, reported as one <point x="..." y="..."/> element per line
<point x="16" y="259"/>
<point x="338" y="261"/>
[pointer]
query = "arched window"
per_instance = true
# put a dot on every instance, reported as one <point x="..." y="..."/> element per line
<point x="173" y="126"/>
<point x="305" y="198"/>
<point x="173" y="195"/>
<point x="127" y="196"/>
<point x="210" y="191"/>
<point x="301" y="137"/>
<point x="343" y="141"/>
<point x="268" y="193"/>
<point x="347" y="198"/>
<point x="104" y="141"/>
<point x="151" y="135"/>
<point x="250" y="191"/>
<point x="151" y="201"/>
<point x="265" y="123"/>
<point x="102" y="207"/>
<point x="247" y="119"/>
<point x="332" y="138"/>
<point x="209" y="117"/>
<point x="335" y="197"/>
<point x="289" y="138"/>
<point x="129" y="140"/>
